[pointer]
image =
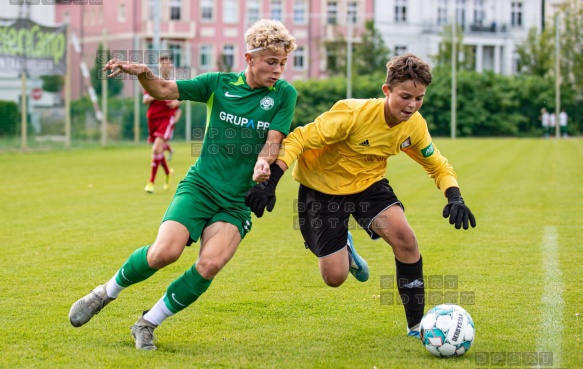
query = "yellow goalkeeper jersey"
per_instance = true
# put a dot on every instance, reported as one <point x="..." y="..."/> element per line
<point x="345" y="150"/>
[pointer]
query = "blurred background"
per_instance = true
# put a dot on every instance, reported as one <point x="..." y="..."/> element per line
<point x="496" y="63"/>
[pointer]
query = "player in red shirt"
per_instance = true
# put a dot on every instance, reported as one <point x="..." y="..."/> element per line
<point x="162" y="115"/>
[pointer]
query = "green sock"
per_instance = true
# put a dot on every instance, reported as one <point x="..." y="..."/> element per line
<point x="185" y="290"/>
<point x="135" y="269"/>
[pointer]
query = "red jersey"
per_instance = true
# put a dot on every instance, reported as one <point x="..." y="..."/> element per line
<point x="159" y="109"/>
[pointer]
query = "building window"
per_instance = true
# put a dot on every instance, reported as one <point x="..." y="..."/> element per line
<point x="332" y="12"/>
<point x="352" y="12"/>
<point x="121" y="15"/>
<point x="175" y="6"/>
<point x="206" y="10"/>
<point x="276" y="10"/>
<point x="516" y="19"/>
<point x="176" y="50"/>
<point x="230" y="11"/>
<point x="332" y="59"/>
<point x="300" y="12"/>
<point x="442" y="12"/>
<point x="299" y="58"/>
<point x="151" y="58"/>
<point x="400" y="10"/>
<point x="400" y="50"/>
<point x="479" y="13"/>
<point x="228" y="57"/>
<point x="252" y="11"/>
<point x="461" y="13"/>
<point x="206" y="56"/>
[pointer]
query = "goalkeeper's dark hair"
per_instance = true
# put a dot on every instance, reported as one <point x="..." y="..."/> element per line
<point x="406" y="67"/>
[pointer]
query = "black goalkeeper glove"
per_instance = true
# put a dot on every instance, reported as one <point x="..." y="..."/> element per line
<point x="456" y="210"/>
<point x="262" y="195"/>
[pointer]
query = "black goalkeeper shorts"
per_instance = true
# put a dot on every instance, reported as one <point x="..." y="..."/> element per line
<point x="324" y="220"/>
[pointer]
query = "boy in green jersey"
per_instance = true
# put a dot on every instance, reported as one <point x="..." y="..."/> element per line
<point x="249" y="114"/>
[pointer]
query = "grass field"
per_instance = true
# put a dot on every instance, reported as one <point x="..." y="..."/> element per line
<point x="70" y="219"/>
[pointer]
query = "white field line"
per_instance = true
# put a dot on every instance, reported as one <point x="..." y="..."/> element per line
<point x="549" y="342"/>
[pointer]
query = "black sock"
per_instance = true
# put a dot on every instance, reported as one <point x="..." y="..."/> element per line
<point x="412" y="290"/>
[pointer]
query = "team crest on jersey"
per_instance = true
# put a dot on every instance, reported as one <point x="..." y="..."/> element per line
<point x="428" y="151"/>
<point x="406" y="143"/>
<point x="266" y="103"/>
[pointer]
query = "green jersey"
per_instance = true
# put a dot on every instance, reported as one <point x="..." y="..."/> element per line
<point x="238" y="119"/>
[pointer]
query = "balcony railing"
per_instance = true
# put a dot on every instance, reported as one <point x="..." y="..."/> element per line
<point x="492" y="27"/>
<point x="473" y="27"/>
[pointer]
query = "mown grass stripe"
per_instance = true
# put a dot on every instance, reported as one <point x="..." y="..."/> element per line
<point x="552" y="304"/>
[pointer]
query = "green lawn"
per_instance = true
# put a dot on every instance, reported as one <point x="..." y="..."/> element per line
<point x="70" y="219"/>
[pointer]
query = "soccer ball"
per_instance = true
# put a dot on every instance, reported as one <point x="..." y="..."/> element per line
<point x="447" y="330"/>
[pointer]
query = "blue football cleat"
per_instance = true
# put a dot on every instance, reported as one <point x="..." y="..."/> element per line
<point x="358" y="267"/>
<point x="414" y="331"/>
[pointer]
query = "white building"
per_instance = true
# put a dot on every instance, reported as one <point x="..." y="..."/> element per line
<point x="492" y="27"/>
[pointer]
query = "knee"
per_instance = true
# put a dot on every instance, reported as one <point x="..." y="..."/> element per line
<point x="158" y="146"/>
<point x="334" y="279"/>
<point x="160" y="256"/>
<point x="406" y="242"/>
<point x="208" y="268"/>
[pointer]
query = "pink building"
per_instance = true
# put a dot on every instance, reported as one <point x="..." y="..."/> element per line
<point x="208" y="35"/>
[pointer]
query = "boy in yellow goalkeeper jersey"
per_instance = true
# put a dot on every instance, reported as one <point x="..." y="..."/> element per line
<point x="341" y="164"/>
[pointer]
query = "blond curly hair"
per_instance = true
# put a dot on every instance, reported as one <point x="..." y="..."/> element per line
<point x="269" y="34"/>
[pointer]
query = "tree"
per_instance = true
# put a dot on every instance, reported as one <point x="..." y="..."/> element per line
<point x="534" y="53"/>
<point x="465" y="58"/>
<point x="371" y="53"/>
<point x="537" y="52"/>
<point x="571" y="39"/>
<point x="52" y="83"/>
<point x="336" y="56"/>
<point x="114" y="85"/>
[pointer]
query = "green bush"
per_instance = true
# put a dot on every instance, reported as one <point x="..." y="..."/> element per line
<point x="488" y="104"/>
<point x="317" y="96"/>
<point x="120" y="119"/>
<point x="9" y="123"/>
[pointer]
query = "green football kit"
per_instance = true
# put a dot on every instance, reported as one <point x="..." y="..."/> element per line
<point x="238" y="119"/>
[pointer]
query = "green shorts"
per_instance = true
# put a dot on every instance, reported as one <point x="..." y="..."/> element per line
<point x="196" y="207"/>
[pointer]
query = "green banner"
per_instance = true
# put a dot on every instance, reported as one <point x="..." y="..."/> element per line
<point x="33" y="48"/>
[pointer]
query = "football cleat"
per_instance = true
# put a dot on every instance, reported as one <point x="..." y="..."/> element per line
<point x="168" y="177"/>
<point x="149" y="187"/>
<point x="358" y="267"/>
<point x="85" y="308"/>
<point x="414" y="331"/>
<point x="143" y="333"/>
